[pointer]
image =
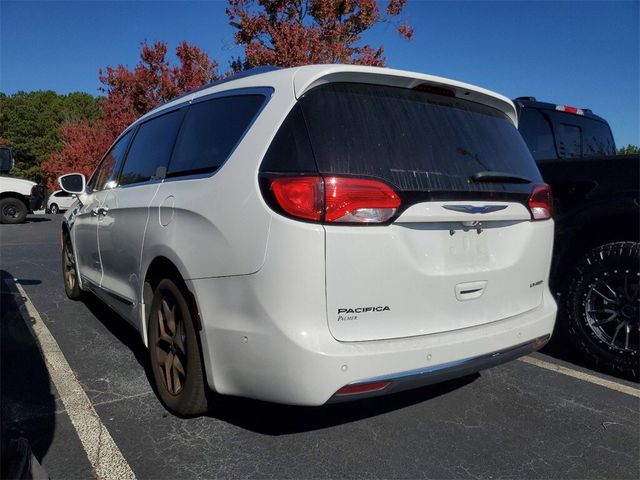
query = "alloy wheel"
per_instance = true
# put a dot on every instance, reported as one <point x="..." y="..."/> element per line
<point x="612" y="310"/>
<point x="170" y="347"/>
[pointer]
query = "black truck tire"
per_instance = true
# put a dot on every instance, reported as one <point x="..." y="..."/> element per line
<point x="603" y="307"/>
<point x="12" y="210"/>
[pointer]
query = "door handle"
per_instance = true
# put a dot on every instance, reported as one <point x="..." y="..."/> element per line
<point x="99" y="211"/>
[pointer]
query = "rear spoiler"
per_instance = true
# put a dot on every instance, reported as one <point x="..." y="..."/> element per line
<point x="309" y="77"/>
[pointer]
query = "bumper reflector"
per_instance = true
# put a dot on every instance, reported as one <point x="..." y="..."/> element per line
<point x="362" y="388"/>
<point x="540" y="342"/>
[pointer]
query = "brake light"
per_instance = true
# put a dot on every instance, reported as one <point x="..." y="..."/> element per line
<point x="567" y="109"/>
<point x="301" y="197"/>
<point x="359" y="200"/>
<point x="540" y="202"/>
<point x="336" y="199"/>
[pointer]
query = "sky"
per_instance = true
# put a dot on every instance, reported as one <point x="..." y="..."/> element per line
<point x="579" y="53"/>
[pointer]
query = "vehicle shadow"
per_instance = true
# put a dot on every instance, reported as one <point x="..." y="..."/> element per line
<point x="122" y="330"/>
<point x="28" y="405"/>
<point x="274" y="419"/>
<point x="37" y="219"/>
<point x="270" y="418"/>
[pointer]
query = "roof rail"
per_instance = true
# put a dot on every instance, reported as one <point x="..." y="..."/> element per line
<point x="530" y="99"/>
<point x="245" y="73"/>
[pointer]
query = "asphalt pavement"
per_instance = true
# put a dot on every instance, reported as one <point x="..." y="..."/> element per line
<point x="513" y="421"/>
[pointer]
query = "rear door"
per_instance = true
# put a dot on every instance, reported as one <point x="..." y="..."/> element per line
<point x="463" y="251"/>
<point x="126" y="208"/>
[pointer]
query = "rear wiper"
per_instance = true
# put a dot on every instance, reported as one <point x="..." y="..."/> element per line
<point x="498" y="177"/>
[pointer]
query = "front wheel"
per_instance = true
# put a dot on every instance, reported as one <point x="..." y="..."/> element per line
<point x="70" y="270"/>
<point x="603" y="307"/>
<point x="174" y="352"/>
<point x="12" y="210"/>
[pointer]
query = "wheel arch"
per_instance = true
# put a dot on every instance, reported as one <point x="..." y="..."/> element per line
<point x="17" y="196"/>
<point x="163" y="267"/>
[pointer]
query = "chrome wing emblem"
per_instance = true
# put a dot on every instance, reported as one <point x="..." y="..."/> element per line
<point x="475" y="208"/>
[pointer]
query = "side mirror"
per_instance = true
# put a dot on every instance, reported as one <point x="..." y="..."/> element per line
<point x="73" y="183"/>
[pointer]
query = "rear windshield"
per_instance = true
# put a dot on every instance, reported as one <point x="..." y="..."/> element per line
<point x="417" y="141"/>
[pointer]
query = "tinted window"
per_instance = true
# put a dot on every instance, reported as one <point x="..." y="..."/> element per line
<point x="569" y="140"/>
<point x="535" y="128"/>
<point x="415" y="140"/>
<point x="210" y="131"/>
<point x="62" y="194"/>
<point x="290" y="150"/>
<point x="151" y="148"/>
<point x="581" y="136"/>
<point x="107" y="172"/>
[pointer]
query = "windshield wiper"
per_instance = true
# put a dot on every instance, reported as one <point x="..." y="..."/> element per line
<point x="498" y="177"/>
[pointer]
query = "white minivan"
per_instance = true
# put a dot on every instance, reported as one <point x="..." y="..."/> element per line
<point x="318" y="234"/>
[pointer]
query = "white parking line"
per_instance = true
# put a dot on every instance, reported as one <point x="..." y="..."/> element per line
<point x="618" y="387"/>
<point x="104" y="455"/>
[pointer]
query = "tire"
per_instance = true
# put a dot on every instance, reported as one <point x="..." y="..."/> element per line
<point x="54" y="208"/>
<point x="12" y="210"/>
<point x="603" y="307"/>
<point x="174" y="352"/>
<point x="70" y="270"/>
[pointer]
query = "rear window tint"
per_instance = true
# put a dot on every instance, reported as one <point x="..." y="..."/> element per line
<point x="536" y="130"/>
<point x="569" y="140"/>
<point x="578" y="136"/>
<point x="415" y="140"/>
<point x="210" y="131"/>
<point x="290" y="151"/>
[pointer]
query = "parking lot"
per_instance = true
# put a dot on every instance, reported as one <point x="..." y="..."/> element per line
<point x="519" y="420"/>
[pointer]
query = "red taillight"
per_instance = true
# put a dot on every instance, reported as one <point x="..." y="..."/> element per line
<point x="336" y="199"/>
<point x="300" y="196"/>
<point x="540" y="202"/>
<point x="362" y="388"/>
<point x="359" y="200"/>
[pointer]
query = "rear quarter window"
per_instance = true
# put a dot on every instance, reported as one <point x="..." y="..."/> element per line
<point x="210" y="132"/>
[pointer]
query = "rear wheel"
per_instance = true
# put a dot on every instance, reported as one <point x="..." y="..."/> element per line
<point x="69" y="270"/>
<point x="174" y="352"/>
<point x="603" y="307"/>
<point x="54" y="208"/>
<point x="12" y="210"/>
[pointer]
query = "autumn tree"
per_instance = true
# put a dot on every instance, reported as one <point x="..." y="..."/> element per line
<point x="129" y="94"/>
<point x="288" y="33"/>
<point x="29" y="124"/>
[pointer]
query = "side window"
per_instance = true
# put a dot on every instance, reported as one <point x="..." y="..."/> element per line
<point x="210" y="132"/>
<point x="107" y="171"/>
<point x="569" y="140"/>
<point x="151" y="148"/>
<point x="290" y="150"/>
<point x="536" y="131"/>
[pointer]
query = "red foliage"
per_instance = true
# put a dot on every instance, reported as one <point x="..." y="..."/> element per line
<point x="85" y="143"/>
<point x="287" y="33"/>
<point x="129" y="94"/>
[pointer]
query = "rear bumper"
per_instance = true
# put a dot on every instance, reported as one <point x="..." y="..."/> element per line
<point x="421" y="377"/>
<point x="253" y="346"/>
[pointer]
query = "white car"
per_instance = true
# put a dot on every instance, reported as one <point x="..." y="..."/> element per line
<point x="60" y="201"/>
<point x="318" y="234"/>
